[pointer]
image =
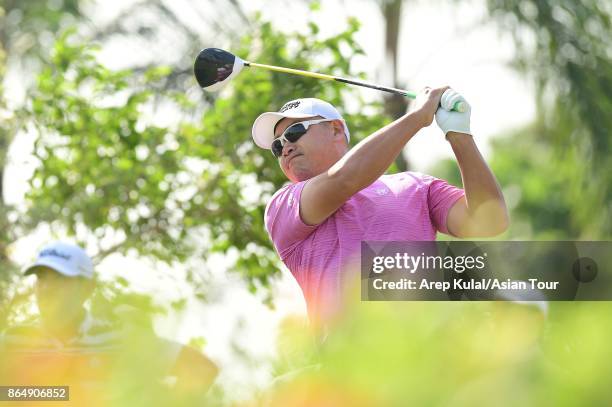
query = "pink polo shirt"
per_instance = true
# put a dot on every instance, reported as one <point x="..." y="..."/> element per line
<point x="404" y="206"/>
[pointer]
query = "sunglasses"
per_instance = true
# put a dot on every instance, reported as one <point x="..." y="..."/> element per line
<point x="293" y="134"/>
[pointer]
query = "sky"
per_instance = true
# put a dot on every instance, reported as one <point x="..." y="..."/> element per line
<point x="440" y="45"/>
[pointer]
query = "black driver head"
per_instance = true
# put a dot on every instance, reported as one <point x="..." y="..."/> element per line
<point x="213" y="66"/>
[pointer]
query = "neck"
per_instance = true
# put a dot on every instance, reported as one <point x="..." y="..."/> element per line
<point x="64" y="327"/>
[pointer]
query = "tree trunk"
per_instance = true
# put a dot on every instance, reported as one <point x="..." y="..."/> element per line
<point x="395" y="105"/>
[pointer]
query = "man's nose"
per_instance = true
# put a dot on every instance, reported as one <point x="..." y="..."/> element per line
<point x="288" y="148"/>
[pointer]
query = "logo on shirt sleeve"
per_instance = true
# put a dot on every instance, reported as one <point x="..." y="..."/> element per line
<point x="290" y="200"/>
<point x="381" y="191"/>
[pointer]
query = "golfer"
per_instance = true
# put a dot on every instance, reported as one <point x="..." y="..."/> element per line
<point x="70" y="346"/>
<point x="340" y="196"/>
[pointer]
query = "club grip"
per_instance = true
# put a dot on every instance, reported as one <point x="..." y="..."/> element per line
<point x="449" y="102"/>
<point x="459" y="107"/>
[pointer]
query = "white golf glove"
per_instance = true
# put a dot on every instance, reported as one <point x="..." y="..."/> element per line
<point x="449" y="120"/>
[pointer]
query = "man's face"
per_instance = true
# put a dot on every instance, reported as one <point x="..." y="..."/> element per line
<point x="60" y="298"/>
<point x="315" y="152"/>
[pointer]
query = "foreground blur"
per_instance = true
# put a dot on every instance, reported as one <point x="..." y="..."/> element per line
<point x="461" y="354"/>
<point x="382" y="354"/>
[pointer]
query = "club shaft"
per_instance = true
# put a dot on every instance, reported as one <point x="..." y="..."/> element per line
<point x="459" y="106"/>
<point x="402" y="92"/>
<point x="316" y="75"/>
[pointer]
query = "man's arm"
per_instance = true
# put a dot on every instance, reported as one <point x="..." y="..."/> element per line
<point x="366" y="162"/>
<point x="482" y="212"/>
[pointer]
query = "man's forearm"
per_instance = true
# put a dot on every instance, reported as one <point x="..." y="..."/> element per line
<point x="482" y="192"/>
<point x="369" y="159"/>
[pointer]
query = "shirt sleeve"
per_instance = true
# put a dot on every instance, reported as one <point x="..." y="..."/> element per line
<point x="441" y="196"/>
<point x="283" y="221"/>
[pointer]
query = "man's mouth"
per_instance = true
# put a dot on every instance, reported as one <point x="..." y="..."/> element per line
<point x="292" y="157"/>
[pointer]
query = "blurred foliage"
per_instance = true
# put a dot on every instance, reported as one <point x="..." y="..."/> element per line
<point x="464" y="354"/>
<point x="28" y="30"/>
<point x="169" y="191"/>
<point x="552" y="195"/>
<point x="557" y="172"/>
<point x="28" y="24"/>
<point x="565" y="47"/>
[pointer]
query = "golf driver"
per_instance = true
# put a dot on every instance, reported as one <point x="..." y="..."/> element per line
<point x="215" y="67"/>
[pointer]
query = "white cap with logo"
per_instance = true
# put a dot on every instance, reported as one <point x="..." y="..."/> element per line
<point x="263" y="128"/>
<point x="67" y="259"/>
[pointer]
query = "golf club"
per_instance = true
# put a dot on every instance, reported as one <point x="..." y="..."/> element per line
<point x="215" y="67"/>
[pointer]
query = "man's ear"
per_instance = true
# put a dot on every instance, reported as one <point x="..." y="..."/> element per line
<point x="338" y="128"/>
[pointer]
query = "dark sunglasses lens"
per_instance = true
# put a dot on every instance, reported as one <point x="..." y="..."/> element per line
<point x="293" y="133"/>
<point x="277" y="148"/>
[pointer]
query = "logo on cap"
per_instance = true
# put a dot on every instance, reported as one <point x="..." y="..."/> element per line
<point x="290" y="105"/>
<point x="54" y="253"/>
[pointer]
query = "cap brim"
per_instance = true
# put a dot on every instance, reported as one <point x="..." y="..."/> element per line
<point x="263" y="128"/>
<point x="54" y="266"/>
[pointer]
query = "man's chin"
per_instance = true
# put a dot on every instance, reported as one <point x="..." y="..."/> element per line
<point x="301" y="176"/>
<point x="298" y="174"/>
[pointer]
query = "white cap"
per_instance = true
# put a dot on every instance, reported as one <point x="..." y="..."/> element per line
<point x="66" y="259"/>
<point x="263" y="128"/>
